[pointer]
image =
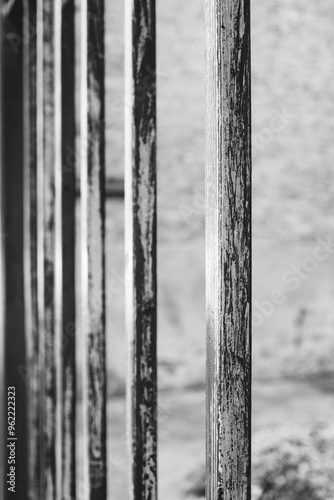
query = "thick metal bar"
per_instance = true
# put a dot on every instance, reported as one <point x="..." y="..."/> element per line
<point x="92" y="213"/>
<point x="31" y="373"/>
<point x="228" y="260"/>
<point x="140" y="213"/>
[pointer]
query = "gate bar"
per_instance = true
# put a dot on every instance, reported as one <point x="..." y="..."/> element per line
<point x="12" y="235"/>
<point x="228" y="249"/>
<point x="140" y="244"/>
<point x="49" y="266"/>
<point x="68" y="229"/>
<point x="49" y="231"/>
<point x="32" y="374"/>
<point x="92" y="213"/>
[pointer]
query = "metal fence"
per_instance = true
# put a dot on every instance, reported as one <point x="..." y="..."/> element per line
<point x="41" y="62"/>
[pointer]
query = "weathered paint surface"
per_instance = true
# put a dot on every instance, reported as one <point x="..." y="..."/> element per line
<point x="228" y="230"/>
<point x="92" y="187"/>
<point x="140" y="202"/>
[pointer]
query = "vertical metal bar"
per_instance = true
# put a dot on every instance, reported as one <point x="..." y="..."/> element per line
<point x="12" y="234"/>
<point x="2" y="275"/>
<point x="68" y="382"/>
<point x="140" y="213"/>
<point x="49" y="266"/>
<point x="40" y="236"/>
<point x="92" y="210"/>
<point x="56" y="239"/>
<point x="228" y="260"/>
<point x="30" y="247"/>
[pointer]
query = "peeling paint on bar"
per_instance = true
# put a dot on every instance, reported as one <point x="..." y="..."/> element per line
<point x="92" y="187"/>
<point x="228" y="263"/>
<point x="140" y="227"/>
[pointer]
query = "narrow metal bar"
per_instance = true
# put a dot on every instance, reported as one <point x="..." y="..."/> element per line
<point x="68" y="229"/>
<point x="12" y="238"/>
<point x="2" y="273"/>
<point x="31" y="374"/>
<point x="140" y="230"/>
<point x="92" y="213"/>
<point x="50" y="246"/>
<point x="228" y="247"/>
<point x="49" y="266"/>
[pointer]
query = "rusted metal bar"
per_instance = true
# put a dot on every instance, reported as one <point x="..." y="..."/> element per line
<point x="140" y="212"/>
<point x="228" y="260"/>
<point x="92" y="210"/>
